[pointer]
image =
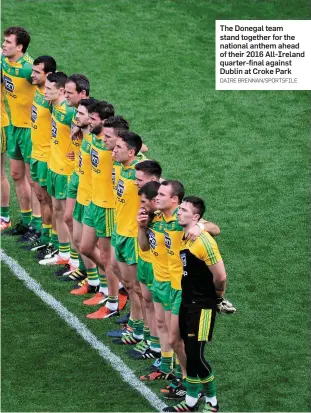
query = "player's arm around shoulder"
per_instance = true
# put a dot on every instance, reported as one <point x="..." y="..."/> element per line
<point x="210" y="227"/>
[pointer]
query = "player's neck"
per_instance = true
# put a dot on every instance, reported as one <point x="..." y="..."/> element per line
<point x="128" y="162"/>
<point x="168" y="212"/>
<point x="85" y="131"/>
<point x="188" y="227"/>
<point x="15" y="58"/>
<point x="59" y="101"/>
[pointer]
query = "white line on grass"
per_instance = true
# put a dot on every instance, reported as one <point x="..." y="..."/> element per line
<point x="115" y="361"/>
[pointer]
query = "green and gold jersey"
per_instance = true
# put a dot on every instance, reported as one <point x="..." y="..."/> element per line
<point x="61" y="143"/>
<point x="41" y="126"/>
<point x="127" y="200"/>
<point x="158" y="253"/>
<point x="4" y="116"/>
<point x="19" y="91"/>
<point x="197" y="280"/>
<point x="173" y="234"/>
<point x="84" y="195"/>
<point x="76" y="141"/>
<point x="101" y="159"/>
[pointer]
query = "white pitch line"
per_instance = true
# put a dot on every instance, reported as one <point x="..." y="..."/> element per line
<point x="125" y="372"/>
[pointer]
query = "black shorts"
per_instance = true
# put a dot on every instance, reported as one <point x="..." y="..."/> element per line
<point x="196" y="322"/>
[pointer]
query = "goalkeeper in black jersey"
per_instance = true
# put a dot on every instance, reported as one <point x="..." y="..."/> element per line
<point x="203" y="284"/>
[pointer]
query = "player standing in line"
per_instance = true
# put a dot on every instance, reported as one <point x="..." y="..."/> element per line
<point x="77" y="87"/>
<point x="126" y="149"/>
<point x="41" y="125"/>
<point x="203" y="281"/>
<point x="98" y="217"/>
<point x="60" y="167"/>
<point x="19" y="92"/>
<point x="147" y="171"/>
<point x="84" y="190"/>
<point x="5" y="221"/>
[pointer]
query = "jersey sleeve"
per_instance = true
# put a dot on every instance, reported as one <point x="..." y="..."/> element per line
<point x="27" y="69"/>
<point x="206" y="249"/>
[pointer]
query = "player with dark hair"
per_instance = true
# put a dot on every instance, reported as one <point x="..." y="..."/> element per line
<point x="127" y="201"/>
<point x="19" y="92"/>
<point x="60" y="166"/>
<point x="77" y="87"/>
<point x="41" y="126"/>
<point x="203" y="281"/>
<point x="146" y="171"/>
<point x="98" y="219"/>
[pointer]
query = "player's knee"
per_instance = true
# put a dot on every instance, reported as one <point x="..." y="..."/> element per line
<point x="17" y="175"/>
<point x="160" y="323"/>
<point x="128" y="285"/>
<point x="85" y="249"/>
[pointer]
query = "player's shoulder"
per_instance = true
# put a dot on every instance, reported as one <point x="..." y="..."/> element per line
<point x="27" y="59"/>
<point x="205" y="241"/>
<point x="157" y="217"/>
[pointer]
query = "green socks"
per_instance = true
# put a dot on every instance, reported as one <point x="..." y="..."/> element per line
<point x="4" y="213"/>
<point x="54" y="239"/>
<point x="92" y="276"/>
<point x="46" y="233"/>
<point x="26" y="217"/>
<point x="36" y="222"/>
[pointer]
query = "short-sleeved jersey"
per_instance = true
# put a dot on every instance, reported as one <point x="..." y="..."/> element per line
<point x="101" y="159"/>
<point x="158" y="252"/>
<point x="84" y="195"/>
<point x="173" y="234"/>
<point x="127" y="201"/>
<point x="61" y="143"/>
<point x="19" y="90"/>
<point x="197" y="280"/>
<point x="76" y="142"/>
<point x="41" y="126"/>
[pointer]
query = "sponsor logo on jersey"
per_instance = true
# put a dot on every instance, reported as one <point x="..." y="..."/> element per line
<point x="34" y="113"/>
<point x="167" y="240"/>
<point x="120" y="188"/>
<point x="94" y="158"/>
<point x="184" y="263"/>
<point x="80" y="160"/>
<point x="8" y="84"/>
<point x="54" y="129"/>
<point x="152" y="239"/>
<point x="113" y="176"/>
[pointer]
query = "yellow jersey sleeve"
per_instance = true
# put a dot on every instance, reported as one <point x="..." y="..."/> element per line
<point x="206" y="249"/>
<point x="61" y="143"/>
<point x="76" y="142"/>
<point x="19" y="90"/>
<point x="173" y="234"/>
<point x="41" y="126"/>
<point x="4" y="115"/>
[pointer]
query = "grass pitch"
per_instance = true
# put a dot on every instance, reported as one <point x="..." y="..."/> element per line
<point x="244" y="152"/>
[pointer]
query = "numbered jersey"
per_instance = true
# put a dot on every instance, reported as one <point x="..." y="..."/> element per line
<point x="84" y="195"/>
<point x="158" y="253"/>
<point x="197" y="280"/>
<point x="101" y="159"/>
<point x="61" y="143"/>
<point x="173" y="234"/>
<point x="41" y="125"/>
<point x="19" y="91"/>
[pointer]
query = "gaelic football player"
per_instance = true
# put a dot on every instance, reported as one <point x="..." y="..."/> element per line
<point x="60" y="166"/>
<point x="19" y="92"/>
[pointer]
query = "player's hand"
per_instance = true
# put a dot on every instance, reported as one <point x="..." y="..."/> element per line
<point x="193" y="233"/>
<point x="71" y="155"/>
<point x="76" y="133"/>
<point x="142" y="218"/>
